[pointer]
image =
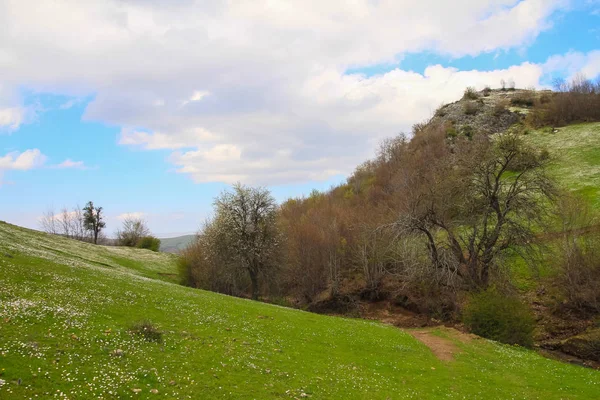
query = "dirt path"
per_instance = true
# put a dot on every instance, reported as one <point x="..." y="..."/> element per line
<point x="442" y="348"/>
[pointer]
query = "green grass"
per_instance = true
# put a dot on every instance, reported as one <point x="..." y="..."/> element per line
<point x="575" y="152"/>
<point x="64" y="312"/>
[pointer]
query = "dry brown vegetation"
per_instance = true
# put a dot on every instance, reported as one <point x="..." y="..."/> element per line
<point x="425" y="224"/>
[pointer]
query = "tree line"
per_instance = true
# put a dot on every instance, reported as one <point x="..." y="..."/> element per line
<point x="87" y="224"/>
<point x="427" y="222"/>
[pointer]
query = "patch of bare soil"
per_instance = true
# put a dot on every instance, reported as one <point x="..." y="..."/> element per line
<point x="388" y="313"/>
<point x="444" y="349"/>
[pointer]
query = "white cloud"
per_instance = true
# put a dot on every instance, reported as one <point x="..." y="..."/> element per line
<point x="131" y="215"/>
<point x="196" y="96"/>
<point x="68" y="163"/>
<point x="11" y="118"/>
<point x="256" y="91"/>
<point x="574" y="62"/>
<point x="24" y="161"/>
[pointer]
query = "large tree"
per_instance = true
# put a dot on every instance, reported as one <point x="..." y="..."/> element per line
<point x="476" y="202"/>
<point x="93" y="220"/>
<point x="246" y="225"/>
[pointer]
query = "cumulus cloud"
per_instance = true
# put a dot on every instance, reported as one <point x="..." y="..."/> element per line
<point x="11" y="118"/>
<point x="575" y="62"/>
<point x="24" y="161"/>
<point x="258" y="91"/>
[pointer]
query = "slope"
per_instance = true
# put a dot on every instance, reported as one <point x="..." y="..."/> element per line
<point x="176" y="244"/>
<point x="575" y="155"/>
<point x="66" y="308"/>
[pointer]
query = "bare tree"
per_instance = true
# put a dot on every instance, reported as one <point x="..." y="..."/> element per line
<point x="93" y="220"/>
<point x="132" y="231"/>
<point x="48" y="222"/>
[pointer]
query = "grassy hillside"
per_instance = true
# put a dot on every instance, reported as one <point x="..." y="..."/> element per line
<point x="176" y="244"/>
<point x="66" y="309"/>
<point x="575" y="151"/>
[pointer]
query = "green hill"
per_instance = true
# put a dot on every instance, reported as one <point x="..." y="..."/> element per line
<point x="66" y="309"/>
<point x="575" y="154"/>
<point x="176" y="244"/>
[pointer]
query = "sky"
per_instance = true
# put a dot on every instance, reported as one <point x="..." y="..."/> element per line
<point x="151" y="108"/>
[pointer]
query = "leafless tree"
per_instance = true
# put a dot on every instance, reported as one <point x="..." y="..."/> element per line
<point x="132" y="231"/>
<point x="48" y="222"/>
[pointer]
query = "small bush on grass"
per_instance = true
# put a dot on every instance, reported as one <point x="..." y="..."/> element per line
<point x="499" y="317"/>
<point x="147" y="330"/>
<point x="486" y="91"/>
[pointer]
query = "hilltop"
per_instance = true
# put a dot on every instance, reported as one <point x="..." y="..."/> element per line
<point x="67" y="309"/>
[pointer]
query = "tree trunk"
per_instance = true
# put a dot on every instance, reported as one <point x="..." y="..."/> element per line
<point x="254" y="280"/>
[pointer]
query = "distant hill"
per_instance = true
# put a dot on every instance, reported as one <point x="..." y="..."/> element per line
<point x="176" y="244"/>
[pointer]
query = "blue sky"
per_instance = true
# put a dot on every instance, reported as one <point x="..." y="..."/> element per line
<point x="152" y="108"/>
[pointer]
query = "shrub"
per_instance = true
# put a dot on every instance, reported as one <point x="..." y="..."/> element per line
<point x="451" y="131"/>
<point x="579" y="276"/>
<point x="471" y="108"/>
<point x="486" y="91"/>
<point x="441" y="111"/>
<point x="524" y="99"/>
<point x="468" y="131"/>
<point x="147" y="330"/>
<point x="470" y="94"/>
<point x="149" y="242"/>
<point x="500" y="107"/>
<point x="498" y="317"/>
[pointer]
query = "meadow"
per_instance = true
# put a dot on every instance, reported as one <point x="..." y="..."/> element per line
<point x="66" y="309"/>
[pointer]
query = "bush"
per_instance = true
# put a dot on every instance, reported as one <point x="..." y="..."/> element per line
<point x="579" y="276"/>
<point x="147" y="330"/>
<point x="486" y="91"/>
<point x="524" y="99"/>
<point x="470" y="94"/>
<point x="498" y="317"/>
<point x="468" y="131"/>
<point x="149" y="242"/>
<point x="471" y="108"/>
<point x="500" y="107"/>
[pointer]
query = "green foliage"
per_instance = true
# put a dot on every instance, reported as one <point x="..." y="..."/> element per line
<point x="468" y="131"/>
<point x="149" y="242"/>
<point x="575" y="160"/>
<point x="147" y="330"/>
<point x="451" y="131"/>
<point x="498" y="317"/>
<point x="93" y="220"/>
